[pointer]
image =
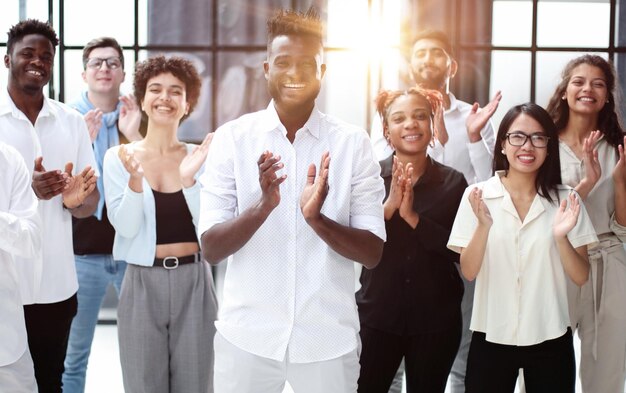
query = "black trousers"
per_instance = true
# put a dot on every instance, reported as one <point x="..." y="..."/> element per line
<point x="427" y="357"/>
<point x="548" y="367"/>
<point x="48" y="329"/>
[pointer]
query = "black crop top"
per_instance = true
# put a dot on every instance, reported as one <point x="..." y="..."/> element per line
<point x="174" y="223"/>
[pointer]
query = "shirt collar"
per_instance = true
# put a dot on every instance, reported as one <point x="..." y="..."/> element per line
<point x="8" y="106"/>
<point x="270" y="121"/>
<point x="454" y="103"/>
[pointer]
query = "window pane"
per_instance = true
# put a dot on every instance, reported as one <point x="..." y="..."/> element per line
<point x="515" y="90"/>
<point x="176" y="23"/>
<point x="573" y="23"/>
<point x="512" y="23"/>
<point x="244" y="22"/>
<point x="344" y="88"/>
<point x="8" y="17"/>
<point x="115" y="20"/>
<point x="241" y="85"/>
<point x="36" y="9"/>
<point x="549" y="68"/>
<point x="347" y="24"/>
<point x="620" y="65"/>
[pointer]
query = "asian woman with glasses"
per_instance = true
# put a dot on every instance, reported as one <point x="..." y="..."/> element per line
<point x="593" y="163"/>
<point x="521" y="236"/>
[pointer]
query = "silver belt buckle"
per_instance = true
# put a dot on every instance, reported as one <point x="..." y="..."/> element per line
<point x="170" y="267"/>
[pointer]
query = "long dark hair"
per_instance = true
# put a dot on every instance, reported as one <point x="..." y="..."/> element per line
<point x="609" y="122"/>
<point x="549" y="175"/>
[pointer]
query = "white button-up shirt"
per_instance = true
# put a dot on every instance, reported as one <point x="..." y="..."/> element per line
<point x="521" y="296"/>
<point x="474" y="160"/>
<point x="286" y="290"/>
<point x="59" y="135"/>
<point x="20" y="234"/>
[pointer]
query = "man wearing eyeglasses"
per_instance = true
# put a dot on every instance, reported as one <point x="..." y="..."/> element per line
<point x="464" y="141"/>
<point x="111" y="119"/>
<point x="54" y="142"/>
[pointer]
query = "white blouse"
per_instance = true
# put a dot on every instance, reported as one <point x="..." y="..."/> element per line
<point x="520" y="296"/>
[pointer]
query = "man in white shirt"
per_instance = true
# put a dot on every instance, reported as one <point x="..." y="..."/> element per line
<point x="50" y="135"/>
<point x="291" y="228"/>
<point x="465" y="143"/>
<point x="20" y="234"/>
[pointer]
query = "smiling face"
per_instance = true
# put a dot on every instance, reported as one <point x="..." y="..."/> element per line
<point x="165" y="99"/>
<point x="586" y="91"/>
<point x="526" y="159"/>
<point x="431" y="66"/>
<point x="104" y="80"/>
<point x="30" y="63"/>
<point x="294" y="72"/>
<point x="408" y="125"/>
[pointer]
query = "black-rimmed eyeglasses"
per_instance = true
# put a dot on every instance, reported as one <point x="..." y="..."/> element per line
<point x="95" y="63"/>
<point x="519" y="139"/>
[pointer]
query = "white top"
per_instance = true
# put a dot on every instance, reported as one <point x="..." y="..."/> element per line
<point x="132" y="214"/>
<point x="60" y="135"/>
<point x="286" y="290"/>
<point x="474" y="160"/>
<point x="600" y="202"/>
<point x="20" y="234"/>
<point x="521" y="296"/>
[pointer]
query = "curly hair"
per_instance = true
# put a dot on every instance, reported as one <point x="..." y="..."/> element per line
<point x="549" y="175"/>
<point x="294" y="23"/>
<point x="31" y="26"/>
<point x="609" y="121"/>
<point x="181" y="68"/>
<point x="102" y="42"/>
<point x="387" y="97"/>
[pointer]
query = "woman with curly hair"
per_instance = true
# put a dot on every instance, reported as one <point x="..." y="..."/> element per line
<point x="591" y="144"/>
<point x="410" y="304"/>
<point x="167" y="303"/>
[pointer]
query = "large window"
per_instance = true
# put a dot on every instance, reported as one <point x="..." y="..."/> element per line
<point x="532" y="41"/>
<point x="517" y="46"/>
<point x="226" y="39"/>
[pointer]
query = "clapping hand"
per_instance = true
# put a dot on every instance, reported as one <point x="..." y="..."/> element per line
<point x="316" y="189"/>
<point x="130" y="118"/>
<point x="593" y="170"/>
<point x="478" y="117"/>
<point x="130" y="162"/>
<point x="79" y="186"/>
<point x="268" y="179"/>
<point x="619" y="172"/>
<point x="191" y="164"/>
<point x="48" y="184"/>
<point x="566" y="217"/>
<point x="480" y="208"/>
<point x="93" y="118"/>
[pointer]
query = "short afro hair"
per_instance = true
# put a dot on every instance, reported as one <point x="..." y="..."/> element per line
<point x="294" y="23"/>
<point x="31" y="26"/>
<point x="181" y="68"/>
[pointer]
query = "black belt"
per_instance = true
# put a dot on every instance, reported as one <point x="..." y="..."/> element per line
<point x="174" y="262"/>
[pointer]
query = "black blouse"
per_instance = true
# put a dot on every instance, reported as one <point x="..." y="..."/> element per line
<point x="416" y="287"/>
